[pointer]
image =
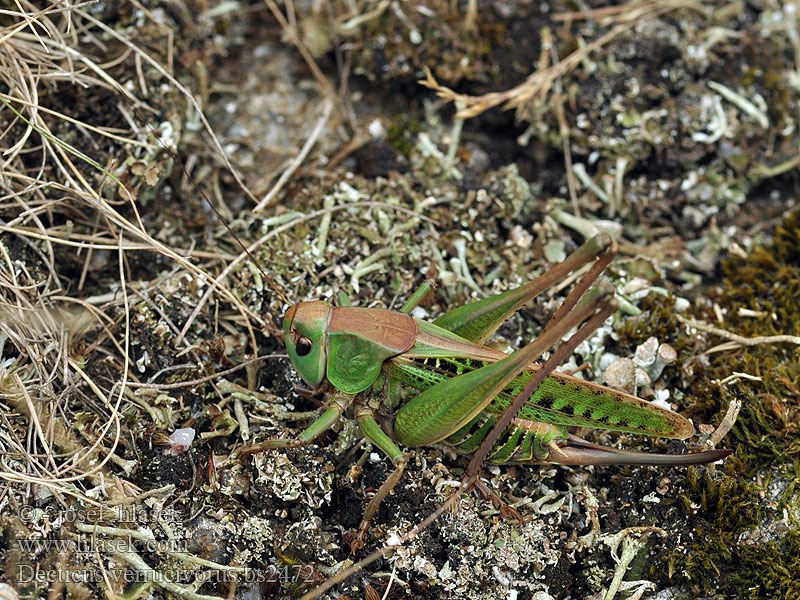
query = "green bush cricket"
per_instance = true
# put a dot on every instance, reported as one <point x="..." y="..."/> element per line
<point x="498" y="407"/>
<point x="501" y="408"/>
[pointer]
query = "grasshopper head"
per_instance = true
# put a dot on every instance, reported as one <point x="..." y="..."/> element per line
<point x="305" y="327"/>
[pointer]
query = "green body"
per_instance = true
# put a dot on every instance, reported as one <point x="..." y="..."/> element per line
<point x="559" y="403"/>
<point x="459" y="387"/>
<point x="417" y="383"/>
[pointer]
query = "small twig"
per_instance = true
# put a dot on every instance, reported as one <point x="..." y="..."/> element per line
<point x="742" y="103"/>
<point x="727" y="421"/>
<point x="392" y="577"/>
<point x="735" y="376"/>
<point x="325" y="224"/>
<point x="739" y="340"/>
<point x="587" y="13"/>
<point x="199" y="380"/>
<point x="539" y="83"/>
<point x="156" y="578"/>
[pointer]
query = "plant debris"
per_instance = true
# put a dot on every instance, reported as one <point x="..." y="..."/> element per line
<point x="128" y="312"/>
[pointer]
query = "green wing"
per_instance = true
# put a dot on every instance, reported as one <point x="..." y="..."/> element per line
<point x="560" y="400"/>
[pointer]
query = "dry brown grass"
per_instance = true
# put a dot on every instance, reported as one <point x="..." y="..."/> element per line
<point x="78" y="149"/>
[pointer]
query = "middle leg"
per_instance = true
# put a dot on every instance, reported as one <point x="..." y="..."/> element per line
<point x="369" y="426"/>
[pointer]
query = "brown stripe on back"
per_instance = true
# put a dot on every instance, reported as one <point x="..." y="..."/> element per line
<point x="390" y="329"/>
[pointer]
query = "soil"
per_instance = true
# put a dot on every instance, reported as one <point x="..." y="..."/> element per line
<point x="126" y="313"/>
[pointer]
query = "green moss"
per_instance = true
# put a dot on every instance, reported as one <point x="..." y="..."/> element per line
<point x="740" y="546"/>
<point x="402" y="132"/>
<point x="741" y="570"/>
<point x="731" y="551"/>
<point x="768" y="283"/>
<point x="765" y="284"/>
<point x="657" y="319"/>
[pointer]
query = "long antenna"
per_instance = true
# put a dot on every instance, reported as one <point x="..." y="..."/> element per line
<point x="205" y="197"/>
<point x="271" y="283"/>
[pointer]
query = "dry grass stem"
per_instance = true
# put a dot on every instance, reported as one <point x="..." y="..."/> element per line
<point x="727" y="422"/>
<point x="538" y="85"/>
<point x="290" y="30"/>
<point x="124" y="305"/>
<point x="736" y="341"/>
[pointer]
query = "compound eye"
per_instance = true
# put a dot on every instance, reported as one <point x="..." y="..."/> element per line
<point x="303" y="346"/>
